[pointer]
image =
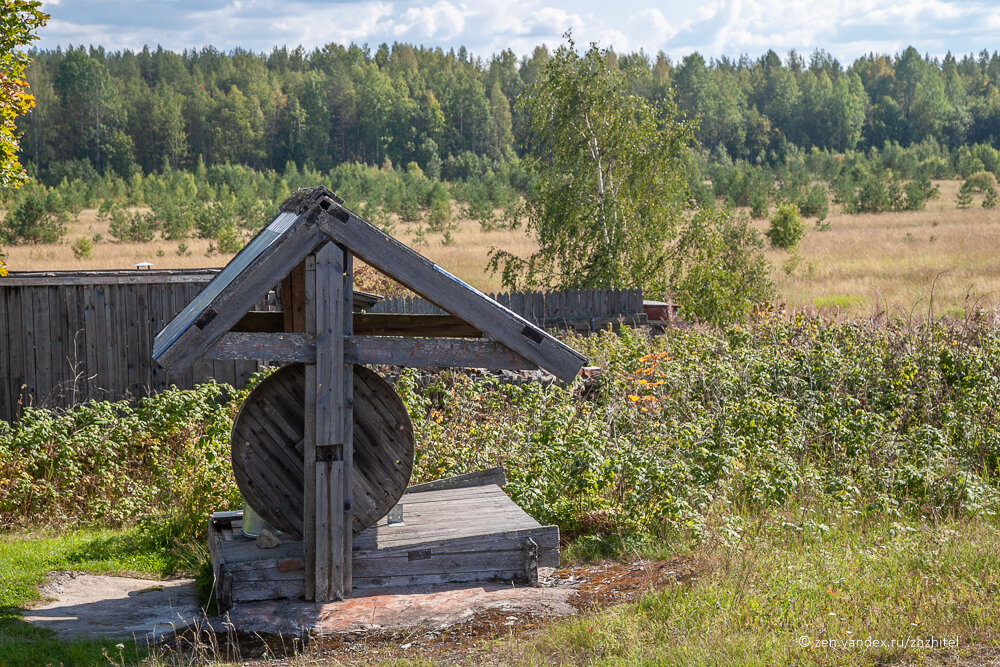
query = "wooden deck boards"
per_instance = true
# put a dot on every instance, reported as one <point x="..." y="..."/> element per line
<point x="447" y="536"/>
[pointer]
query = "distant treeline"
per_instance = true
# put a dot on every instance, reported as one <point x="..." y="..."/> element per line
<point x="454" y="115"/>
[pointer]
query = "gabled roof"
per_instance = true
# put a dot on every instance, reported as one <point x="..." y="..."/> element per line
<point x="309" y="219"/>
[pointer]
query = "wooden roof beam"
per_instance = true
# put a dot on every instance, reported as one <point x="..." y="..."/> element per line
<point x="446" y="291"/>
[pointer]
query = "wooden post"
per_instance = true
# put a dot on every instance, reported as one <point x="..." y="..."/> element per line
<point x="333" y="380"/>
<point x="309" y="440"/>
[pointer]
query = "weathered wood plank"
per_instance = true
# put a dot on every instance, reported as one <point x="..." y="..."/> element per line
<point x="334" y="382"/>
<point x="433" y="352"/>
<point x="90" y="324"/>
<point x="370" y="324"/>
<point x="391" y="324"/>
<point x="5" y="365"/>
<point x="479" y="478"/>
<point x="345" y="307"/>
<point x="41" y="337"/>
<point x="16" y="353"/>
<point x="226" y="309"/>
<point x="111" y="277"/>
<point x="309" y="443"/>
<point x="445" y="290"/>
<point x="329" y="575"/>
<point x="285" y="347"/>
<point x="131" y="344"/>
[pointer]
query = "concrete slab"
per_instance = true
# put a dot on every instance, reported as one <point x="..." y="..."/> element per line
<point x="431" y="608"/>
<point x="89" y="605"/>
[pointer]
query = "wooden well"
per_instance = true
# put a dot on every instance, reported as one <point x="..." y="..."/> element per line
<point x="323" y="449"/>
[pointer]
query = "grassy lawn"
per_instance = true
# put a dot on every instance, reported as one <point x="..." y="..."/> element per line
<point x="26" y="560"/>
<point x="773" y="592"/>
<point x="799" y="587"/>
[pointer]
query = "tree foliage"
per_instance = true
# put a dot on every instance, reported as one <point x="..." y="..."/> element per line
<point x="19" y="19"/>
<point x="786" y="228"/>
<point x="610" y="190"/>
<point x="719" y="274"/>
<point x="18" y="22"/>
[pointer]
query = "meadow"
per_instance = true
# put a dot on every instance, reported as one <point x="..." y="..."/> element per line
<point x="860" y="263"/>
<point x="833" y="480"/>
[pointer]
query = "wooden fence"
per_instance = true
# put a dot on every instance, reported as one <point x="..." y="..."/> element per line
<point x="69" y="337"/>
<point x="586" y="310"/>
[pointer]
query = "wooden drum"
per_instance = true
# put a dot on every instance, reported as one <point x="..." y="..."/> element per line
<point x="268" y="439"/>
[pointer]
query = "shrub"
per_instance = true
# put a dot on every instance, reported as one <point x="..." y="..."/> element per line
<point x="759" y="205"/>
<point x="125" y="225"/>
<point x="787" y="227"/>
<point x="815" y="203"/>
<point x="83" y="248"/>
<point x="964" y="197"/>
<point x="680" y="430"/>
<point x="34" y="217"/>
<point x="991" y="200"/>
<point x="720" y="275"/>
<point x="109" y="463"/>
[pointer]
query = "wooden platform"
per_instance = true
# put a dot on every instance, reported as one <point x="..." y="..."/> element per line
<point x="446" y="536"/>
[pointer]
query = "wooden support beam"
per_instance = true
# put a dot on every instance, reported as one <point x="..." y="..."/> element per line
<point x="329" y="530"/>
<point x="370" y="324"/>
<point x="293" y="299"/>
<point x="433" y="353"/>
<point x="395" y="324"/>
<point x="285" y="347"/>
<point x="443" y="289"/>
<point x="256" y="279"/>
<point x="334" y="381"/>
<point x="347" y="331"/>
<point x="309" y="470"/>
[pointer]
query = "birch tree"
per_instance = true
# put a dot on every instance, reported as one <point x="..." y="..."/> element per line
<point x="610" y="186"/>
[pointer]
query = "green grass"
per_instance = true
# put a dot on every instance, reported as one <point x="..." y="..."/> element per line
<point x="26" y="560"/>
<point x="760" y="588"/>
<point x="839" y="301"/>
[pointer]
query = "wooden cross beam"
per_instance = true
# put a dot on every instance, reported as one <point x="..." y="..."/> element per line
<point x="378" y="350"/>
<point x="446" y="291"/>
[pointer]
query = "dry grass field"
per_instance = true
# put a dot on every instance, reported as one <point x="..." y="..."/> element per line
<point x="864" y="262"/>
<point x="861" y="263"/>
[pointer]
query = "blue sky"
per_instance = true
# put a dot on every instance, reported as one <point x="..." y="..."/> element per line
<point x="844" y="28"/>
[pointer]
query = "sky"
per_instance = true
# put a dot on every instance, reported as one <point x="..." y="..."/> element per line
<point x="844" y="28"/>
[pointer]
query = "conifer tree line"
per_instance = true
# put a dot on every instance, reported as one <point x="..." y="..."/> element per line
<point x="454" y="116"/>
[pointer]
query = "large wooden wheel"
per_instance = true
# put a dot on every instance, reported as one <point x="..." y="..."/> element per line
<point x="267" y="445"/>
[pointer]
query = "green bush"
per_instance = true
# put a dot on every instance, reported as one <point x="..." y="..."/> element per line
<point x="786" y="228"/>
<point x="83" y="248"/>
<point x="35" y="216"/>
<point x="815" y="203"/>
<point x="110" y="463"/>
<point x="680" y="430"/>
<point x="720" y="275"/>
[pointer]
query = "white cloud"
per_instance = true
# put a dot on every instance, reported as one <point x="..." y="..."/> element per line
<point x="845" y="28"/>
<point x="442" y="20"/>
<point x="652" y="22"/>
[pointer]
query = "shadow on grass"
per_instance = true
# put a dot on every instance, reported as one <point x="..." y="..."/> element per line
<point x="153" y="548"/>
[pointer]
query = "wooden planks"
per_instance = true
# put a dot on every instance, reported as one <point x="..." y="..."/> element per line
<point x="433" y="352"/>
<point x="445" y="290"/>
<point x="334" y="422"/>
<point x="330" y="529"/>
<point x="447" y="536"/>
<point x="288" y="347"/>
<point x="587" y="310"/>
<point x="75" y="340"/>
<point x="496" y="476"/>
<point x="239" y="295"/>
